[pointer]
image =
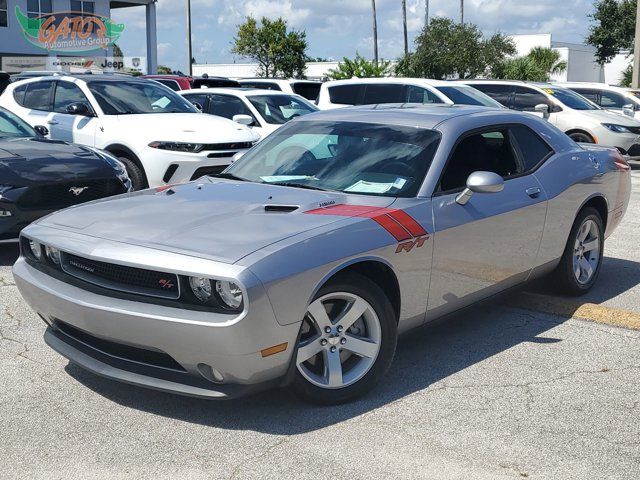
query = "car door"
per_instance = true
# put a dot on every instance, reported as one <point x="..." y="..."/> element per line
<point x="228" y="106"/>
<point x="35" y="98"/>
<point x="526" y="99"/>
<point x="501" y="92"/>
<point x="415" y="94"/>
<point x="491" y="243"/>
<point x="200" y="100"/>
<point x="65" y="126"/>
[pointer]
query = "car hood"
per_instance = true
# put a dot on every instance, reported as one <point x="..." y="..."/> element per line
<point x="25" y="161"/>
<point x="216" y="219"/>
<point x="605" y="116"/>
<point x="186" y="127"/>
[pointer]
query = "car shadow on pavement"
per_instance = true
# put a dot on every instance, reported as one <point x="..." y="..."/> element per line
<point x="427" y="356"/>
<point x="8" y="254"/>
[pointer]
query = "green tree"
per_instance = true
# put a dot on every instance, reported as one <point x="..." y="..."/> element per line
<point x="537" y="66"/>
<point x="278" y="51"/>
<point x="360" y="67"/>
<point x="164" y="70"/>
<point x="117" y="51"/>
<point x="446" y="49"/>
<point x="613" y="28"/>
<point x="627" y="77"/>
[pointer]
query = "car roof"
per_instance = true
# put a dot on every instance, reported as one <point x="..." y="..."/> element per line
<point x="407" y="114"/>
<point x="276" y="80"/>
<point x="393" y="80"/>
<point x="604" y="86"/>
<point x="236" y="91"/>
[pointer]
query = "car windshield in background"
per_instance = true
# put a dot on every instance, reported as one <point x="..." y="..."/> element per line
<point x="468" y="96"/>
<point x="129" y="98"/>
<point x="279" y="109"/>
<point x="358" y="158"/>
<point x="12" y="127"/>
<point x="571" y="99"/>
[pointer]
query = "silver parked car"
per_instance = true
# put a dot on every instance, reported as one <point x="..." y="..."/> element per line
<point x="301" y="263"/>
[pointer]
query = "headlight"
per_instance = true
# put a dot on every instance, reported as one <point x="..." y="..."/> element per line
<point x="5" y="188"/>
<point x="616" y="128"/>
<point x="177" y="146"/>
<point x="53" y="254"/>
<point x="201" y="288"/>
<point x="230" y="294"/>
<point x="36" y="249"/>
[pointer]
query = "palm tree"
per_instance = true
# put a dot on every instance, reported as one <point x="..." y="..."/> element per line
<point x="375" y="32"/>
<point x="404" y="24"/>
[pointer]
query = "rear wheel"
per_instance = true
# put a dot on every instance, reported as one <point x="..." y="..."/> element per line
<point x="580" y="137"/>
<point x="347" y="341"/>
<point x="580" y="264"/>
<point x="136" y="174"/>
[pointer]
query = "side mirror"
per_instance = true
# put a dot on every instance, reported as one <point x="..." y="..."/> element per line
<point x="543" y="109"/>
<point x="41" y="130"/>
<point x="79" y="108"/>
<point x="481" y="182"/>
<point x="243" y="120"/>
<point x="628" y="110"/>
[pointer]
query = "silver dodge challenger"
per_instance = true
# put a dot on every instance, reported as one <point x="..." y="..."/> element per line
<point x="303" y="261"/>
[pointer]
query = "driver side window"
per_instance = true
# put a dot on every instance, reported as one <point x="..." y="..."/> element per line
<point x="66" y="94"/>
<point x="489" y="151"/>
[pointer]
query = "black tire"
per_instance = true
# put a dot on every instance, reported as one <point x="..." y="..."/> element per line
<point x="565" y="280"/>
<point x="136" y="174"/>
<point x="377" y="299"/>
<point x="580" y="137"/>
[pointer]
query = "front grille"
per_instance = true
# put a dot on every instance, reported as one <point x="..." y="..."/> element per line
<point x="203" y="171"/>
<point x="154" y="358"/>
<point x="227" y="146"/>
<point x="122" y="278"/>
<point x="634" y="151"/>
<point x="66" y="194"/>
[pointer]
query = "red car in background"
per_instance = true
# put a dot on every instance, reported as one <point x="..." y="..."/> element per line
<point x="185" y="82"/>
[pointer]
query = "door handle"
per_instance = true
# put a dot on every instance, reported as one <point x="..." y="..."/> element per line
<point x="52" y="122"/>
<point x="533" y="192"/>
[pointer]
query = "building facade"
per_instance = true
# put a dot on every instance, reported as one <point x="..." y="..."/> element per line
<point x="46" y="34"/>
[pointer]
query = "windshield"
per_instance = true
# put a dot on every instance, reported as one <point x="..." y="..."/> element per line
<point x="350" y="157"/>
<point x="571" y="99"/>
<point x="279" y="109"/>
<point x="12" y="127"/>
<point x="129" y="98"/>
<point x="468" y="96"/>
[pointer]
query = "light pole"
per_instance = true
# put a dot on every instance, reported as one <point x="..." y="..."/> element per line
<point x="461" y="11"/>
<point x="190" y="70"/>
<point x="375" y="32"/>
<point x="404" y="24"/>
<point x="426" y="13"/>
<point x="636" y="52"/>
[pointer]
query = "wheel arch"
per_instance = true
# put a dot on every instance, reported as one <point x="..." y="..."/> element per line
<point x="599" y="202"/>
<point x="119" y="149"/>
<point x="376" y="269"/>
<point x="582" y="131"/>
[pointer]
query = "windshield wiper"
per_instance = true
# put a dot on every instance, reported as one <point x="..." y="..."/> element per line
<point x="300" y="185"/>
<point x="229" y="176"/>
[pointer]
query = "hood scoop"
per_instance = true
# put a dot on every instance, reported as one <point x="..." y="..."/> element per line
<point x="280" y="208"/>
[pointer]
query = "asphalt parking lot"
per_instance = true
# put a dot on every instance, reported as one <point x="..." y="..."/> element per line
<point x="530" y="387"/>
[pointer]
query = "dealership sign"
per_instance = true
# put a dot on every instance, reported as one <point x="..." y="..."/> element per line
<point x="69" y="32"/>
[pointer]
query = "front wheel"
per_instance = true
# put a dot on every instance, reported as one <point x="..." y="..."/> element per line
<point x="347" y="341"/>
<point x="580" y="264"/>
<point x="580" y="137"/>
<point x="136" y="174"/>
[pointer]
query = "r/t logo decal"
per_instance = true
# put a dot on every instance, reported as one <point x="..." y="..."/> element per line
<point x="410" y="245"/>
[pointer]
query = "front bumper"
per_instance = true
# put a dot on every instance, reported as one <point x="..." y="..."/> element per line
<point x="165" y="167"/>
<point x="628" y="144"/>
<point x="193" y="340"/>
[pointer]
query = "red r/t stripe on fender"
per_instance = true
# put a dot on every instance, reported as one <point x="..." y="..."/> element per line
<point x="398" y="223"/>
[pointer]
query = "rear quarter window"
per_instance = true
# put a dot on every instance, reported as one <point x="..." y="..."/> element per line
<point x="533" y="150"/>
<point x="38" y="96"/>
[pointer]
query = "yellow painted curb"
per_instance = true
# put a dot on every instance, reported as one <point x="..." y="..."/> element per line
<point x="565" y="307"/>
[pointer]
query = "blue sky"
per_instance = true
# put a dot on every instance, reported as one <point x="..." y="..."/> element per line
<point x="337" y="28"/>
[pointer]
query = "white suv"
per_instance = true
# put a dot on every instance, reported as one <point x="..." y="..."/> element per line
<point x="373" y="91"/>
<point x="159" y="136"/>
<point x="308" y="89"/>
<point x="614" y="99"/>
<point x="581" y="119"/>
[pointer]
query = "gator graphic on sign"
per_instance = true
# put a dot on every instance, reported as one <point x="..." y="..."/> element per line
<point x="69" y="32"/>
